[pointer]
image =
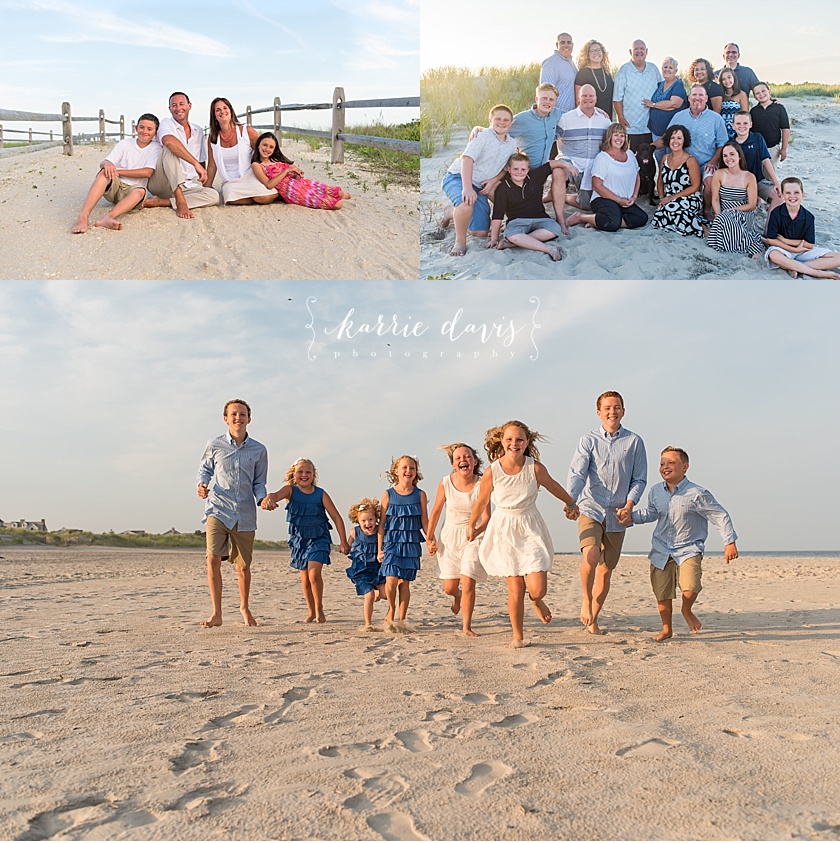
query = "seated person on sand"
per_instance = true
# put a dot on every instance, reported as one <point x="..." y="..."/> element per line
<point x="123" y="176"/>
<point x="758" y="160"/>
<point x="682" y="511"/>
<point x="679" y="186"/>
<point x="229" y="150"/>
<point x="790" y="237"/>
<point x="615" y="186"/>
<point x="180" y="180"/>
<point x="466" y="181"/>
<point x="519" y="198"/>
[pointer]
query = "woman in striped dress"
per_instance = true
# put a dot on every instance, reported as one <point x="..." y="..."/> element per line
<point x="734" y="199"/>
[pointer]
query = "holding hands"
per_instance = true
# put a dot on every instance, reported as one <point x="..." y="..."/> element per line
<point x="269" y="503"/>
<point x="624" y="514"/>
<point x="572" y="512"/>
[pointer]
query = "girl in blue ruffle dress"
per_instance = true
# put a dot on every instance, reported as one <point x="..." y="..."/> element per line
<point x="404" y="520"/>
<point x="364" y="569"/>
<point x="309" y="530"/>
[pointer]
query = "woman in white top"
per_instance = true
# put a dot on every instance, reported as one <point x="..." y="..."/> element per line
<point x="229" y="150"/>
<point x="615" y="186"/>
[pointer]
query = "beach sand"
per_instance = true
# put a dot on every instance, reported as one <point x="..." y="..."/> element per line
<point x="645" y="253"/>
<point x="123" y="719"/>
<point x="373" y="237"/>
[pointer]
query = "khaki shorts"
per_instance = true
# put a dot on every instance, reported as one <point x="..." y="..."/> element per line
<point x="117" y="190"/>
<point x="688" y="574"/>
<point x="591" y="532"/>
<point x="230" y="543"/>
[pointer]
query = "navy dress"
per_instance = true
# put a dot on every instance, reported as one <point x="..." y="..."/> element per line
<point x="309" y="528"/>
<point x="403" y="536"/>
<point x="364" y="570"/>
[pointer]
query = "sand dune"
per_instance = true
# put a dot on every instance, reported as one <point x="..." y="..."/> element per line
<point x="122" y="719"/>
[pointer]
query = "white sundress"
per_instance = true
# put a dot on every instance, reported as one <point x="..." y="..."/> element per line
<point x="456" y="556"/>
<point x="517" y="541"/>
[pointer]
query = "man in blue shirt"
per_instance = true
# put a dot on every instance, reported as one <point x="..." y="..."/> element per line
<point x="559" y="70"/>
<point x="682" y="511"/>
<point x="747" y="79"/>
<point x="231" y="479"/>
<point x="607" y="476"/>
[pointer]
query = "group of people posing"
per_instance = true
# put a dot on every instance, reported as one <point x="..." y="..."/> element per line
<point x="169" y="165"/>
<point x="703" y="157"/>
<point x="509" y="539"/>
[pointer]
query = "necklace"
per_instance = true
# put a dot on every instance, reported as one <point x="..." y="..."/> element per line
<point x="592" y="69"/>
<point x="230" y="136"/>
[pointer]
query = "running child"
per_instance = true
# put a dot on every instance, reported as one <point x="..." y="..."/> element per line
<point x="401" y="527"/>
<point x="682" y="511"/>
<point x="517" y="544"/>
<point x="277" y="172"/>
<point x="364" y="569"/>
<point x="309" y="530"/>
<point x="456" y="559"/>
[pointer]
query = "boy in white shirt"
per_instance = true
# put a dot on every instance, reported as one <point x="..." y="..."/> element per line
<point x="123" y="176"/>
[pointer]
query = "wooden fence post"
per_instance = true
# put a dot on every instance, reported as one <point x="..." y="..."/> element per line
<point x="1" y="135"/>
<point x="278" y="132"/>
<point x="51" y="135"/>
<point x="248" y="115"/>
<point x="30" y="136"/>
<point x="337" y="156"/>
<point x="122" y="126"/>
<point x="133" y="129"/>
<point x="67" y="128"/>
<point x="101" y="125"/>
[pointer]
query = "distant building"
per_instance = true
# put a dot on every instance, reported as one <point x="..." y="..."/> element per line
<point x="133" y="533"/>
<point x="23" y="524"/>
<point x="171" y="532"/>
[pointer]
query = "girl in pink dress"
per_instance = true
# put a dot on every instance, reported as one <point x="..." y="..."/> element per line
<point x="278" y="173"/>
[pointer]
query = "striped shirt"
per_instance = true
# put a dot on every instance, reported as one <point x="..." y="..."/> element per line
<point x="682" y="521"/>
<point x="606" y="471"/>
<point x="631" y="87"/>
<point x="236" y="477"/>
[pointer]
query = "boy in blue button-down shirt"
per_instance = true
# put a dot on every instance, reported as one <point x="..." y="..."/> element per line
<point x="682" y="511"/>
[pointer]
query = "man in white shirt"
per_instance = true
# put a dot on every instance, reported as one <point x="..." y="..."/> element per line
<point x="180" y="180"/>
<point x="122" y="176"/>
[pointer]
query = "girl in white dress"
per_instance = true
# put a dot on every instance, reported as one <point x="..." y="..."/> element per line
<point x="517" y="544"/>
<point x="456" y="559"/>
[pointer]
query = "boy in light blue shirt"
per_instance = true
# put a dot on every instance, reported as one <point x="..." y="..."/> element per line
<point x="682" y="511"/>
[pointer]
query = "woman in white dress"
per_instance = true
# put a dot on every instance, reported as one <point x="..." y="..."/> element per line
<point x="230" y="146"/>
<point x="517" y="544"/>
<point x="456" y="559"/>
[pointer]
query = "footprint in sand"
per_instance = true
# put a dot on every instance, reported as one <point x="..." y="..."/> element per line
<point x="482" y="776"/>
<point x="394" y="825"/>
<point x="652" y="746"/>
<point x="440" y="716"/>
<point x="21" y="736"/>
<point x="513" y="720"/>
<point x="229" y="719"/>
<point x="414" y="741"/>
<point x="291" y="696"/>
<point x="194" y="754"/>
<point x="551" y="678"/>
<point x="348" y="749"/>
<point x="378" y="792"/>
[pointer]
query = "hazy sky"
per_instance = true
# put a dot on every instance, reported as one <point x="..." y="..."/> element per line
<point x="782" y="42"/>
<point x="112" y="390"/>
<point x="128" y="58"/>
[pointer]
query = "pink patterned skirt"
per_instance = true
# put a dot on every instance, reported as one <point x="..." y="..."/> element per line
<point x="297" y="190"/>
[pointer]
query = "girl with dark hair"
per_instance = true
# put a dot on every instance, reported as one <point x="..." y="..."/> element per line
<point x="734" y="198"/>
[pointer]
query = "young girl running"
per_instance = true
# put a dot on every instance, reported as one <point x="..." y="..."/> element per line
<point x="278" y="173"/>
<point x="517" y="544"/>
<point x="404" y="518"/>
<point x="364" y="570"/>
<point x="309" y="530"/>
<point x="457" y="559"/>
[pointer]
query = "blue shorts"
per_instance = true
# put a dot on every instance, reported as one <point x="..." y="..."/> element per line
<point x="453" y="187"/>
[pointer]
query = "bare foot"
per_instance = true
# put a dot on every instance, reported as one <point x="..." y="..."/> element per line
<point x="81" y="225"/>
<point x="542" y="610"/>
<point x="554" y="252"/>
<point x="346" y="195"/>
<point x="155" y="202"/>
<point x="448" y="216"/>
<point x="469" y="633"/>
<point x="309" y="618"/>
<point x="213" y="620"/>
<point x="109" y="222"/>
<point x="248" y="617"/>
<point x="594" y="628"/>
<point x="517" y="643"/>
<point x="321" y="618"/>
<point x="692" y="620"/>
<point x="663" y="636"/>
<point x="458" y="250"/>
<point x="368" y="628"/>
<point x="183" y="211"/>
<point x="456" y="603"/>
<point x="585" y="613"/>
<point x="337" y="206"/>
<point x="574" y="219"/>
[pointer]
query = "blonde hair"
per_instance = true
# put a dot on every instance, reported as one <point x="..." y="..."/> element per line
<point x="583" y="55"/>
<point x="289" y="479"/>
<point x="493" y="440"/>
<point x="391" y="474"/>
<point x="364" y="505"/>
<point x="615" y="129"/>
<point x="453" y="446"/>
<point x="546" y="86"/>
<point x="499" y="107"/>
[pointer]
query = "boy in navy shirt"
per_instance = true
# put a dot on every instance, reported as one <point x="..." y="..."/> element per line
<point x="790" y="237"/>
<point x="758" y="160"/>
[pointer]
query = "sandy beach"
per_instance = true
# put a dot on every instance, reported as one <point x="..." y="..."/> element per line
<point x="373" y="237"/>
<point x="122" y="719"/>
<point x="645" y="253"/>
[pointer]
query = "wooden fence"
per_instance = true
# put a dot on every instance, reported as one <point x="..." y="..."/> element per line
<point x="337" y="136"/>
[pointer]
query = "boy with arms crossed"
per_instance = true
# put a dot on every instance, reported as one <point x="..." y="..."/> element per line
<point x="682" y="511"/>
<point x="231" y="478"/>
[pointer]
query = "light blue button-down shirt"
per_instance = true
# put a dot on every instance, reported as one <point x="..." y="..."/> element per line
<point x="682" y="521"/>
<point x="560" y="72"/>
<point x="606" y="471"/>
<point x="236" y="480"/>
<point x="535" y="134"/>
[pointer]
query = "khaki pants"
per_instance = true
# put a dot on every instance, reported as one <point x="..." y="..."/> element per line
<point x="168" y="176"/>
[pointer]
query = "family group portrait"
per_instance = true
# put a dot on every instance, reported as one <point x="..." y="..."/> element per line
<point x="603" y="136"/>
<point x="160" y="155"/>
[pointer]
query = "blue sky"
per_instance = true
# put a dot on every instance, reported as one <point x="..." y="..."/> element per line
<point x="780" y="41"/>
<point x="112" y="390"/>
<point x="128" y="58"/>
